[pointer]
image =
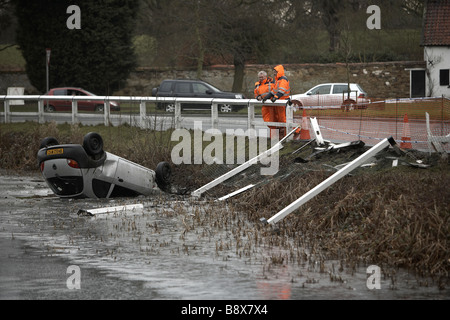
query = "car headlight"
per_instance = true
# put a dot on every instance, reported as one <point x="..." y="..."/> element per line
<point x="239" y="96"/>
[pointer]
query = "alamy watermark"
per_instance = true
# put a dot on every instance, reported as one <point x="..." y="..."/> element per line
<point x="74" y="280"/>
<point x="190" y="149"/>
<point x="374" y="279"/>
<point x="74" y="21"/>
<point x="374" y="21"/>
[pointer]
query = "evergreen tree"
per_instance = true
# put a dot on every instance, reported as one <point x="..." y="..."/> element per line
<point x="98" y="57"/>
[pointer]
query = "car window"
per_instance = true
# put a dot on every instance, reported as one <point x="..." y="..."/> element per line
<point x="321" y="90"/>
<point x="61" y="92"/>
<point x="200" y="88"/>
<point x="359" y="88"/>
<point x="340" y="88"/>
<point x="72" y="92"/>
<point x="166" y="86"/>
<point x="182" y="87"/>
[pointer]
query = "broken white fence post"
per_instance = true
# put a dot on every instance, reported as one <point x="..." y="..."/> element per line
<point x="118" y="209"/>
<point x="330" y="181"/>
<point x="316" y="129"/>
<point x="236" y="192"/>
<point x="197" y="193"/>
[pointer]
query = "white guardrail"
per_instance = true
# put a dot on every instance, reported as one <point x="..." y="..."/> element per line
<point x="249" y="103"/>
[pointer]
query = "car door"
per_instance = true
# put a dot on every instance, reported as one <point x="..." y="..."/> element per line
<point x="183" y="89"/>
<point x="60" y="104"/>
<point x="339" y="94"/>
<point x="85" y="105"/>
<point x="318" y="95"/>
<point x="200" y="90"/>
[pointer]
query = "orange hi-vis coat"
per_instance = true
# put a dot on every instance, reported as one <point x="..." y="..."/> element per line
<point x="281" y="91"/>
<point x="262" y="90"/>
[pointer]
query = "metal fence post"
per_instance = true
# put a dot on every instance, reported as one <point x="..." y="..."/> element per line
<point x="289" y="119"/>
<point x="107" y="112"/>
<point x="41" y="119"/>
<point x="214" y="115"/>
<point x="74" y="111"/>
<point x="7" y="111"/>
<point x="251" y="116"/>
<point x="177" y="115"/>
<point x="142" y="115"/>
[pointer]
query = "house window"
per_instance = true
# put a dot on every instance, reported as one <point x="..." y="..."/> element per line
<point x="444" y="76"/>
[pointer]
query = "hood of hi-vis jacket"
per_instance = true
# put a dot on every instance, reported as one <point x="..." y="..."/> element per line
<point x="280" y="71"/>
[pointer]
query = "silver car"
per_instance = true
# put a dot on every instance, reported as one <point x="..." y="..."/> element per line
<point x="80" y="171"/>
<point x="333" y="95"/>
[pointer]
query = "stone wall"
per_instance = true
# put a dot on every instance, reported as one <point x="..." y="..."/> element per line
<point x="385" y="80"/>
<point x="379" y="80"/>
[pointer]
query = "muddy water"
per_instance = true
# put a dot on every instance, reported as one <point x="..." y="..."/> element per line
<point x="170" y="249"/>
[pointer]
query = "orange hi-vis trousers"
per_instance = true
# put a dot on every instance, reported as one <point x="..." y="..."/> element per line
<point x="275" y="114"/>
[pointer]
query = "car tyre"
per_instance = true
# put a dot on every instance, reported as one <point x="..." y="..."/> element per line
<point x="93" y="144"/>
<point x="163" y="175"/>
<point x="49" y="108"/>
<point x="225" y="108"/>
<point x="48" y="142"/>
<point x="99" y="108"/>
<point x="170" y="107"/>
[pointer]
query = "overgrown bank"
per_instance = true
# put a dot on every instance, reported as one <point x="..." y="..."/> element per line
<point x="378" y="215"/>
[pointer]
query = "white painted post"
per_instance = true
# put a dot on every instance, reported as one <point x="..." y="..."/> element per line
<point x="316" y="131"/>
<point x="251" y="117"/>
<point x="142" y="115"/>
<point x="330" y="181"/>
<point x="41" y="119"/>
<point x="7" y="111"/>
<point x="107" y="112"/>
<point x="74" y="111"/>
<point x="177" y="115"/>
<point x="215" y="115"/>
<point x="289" y="119"/>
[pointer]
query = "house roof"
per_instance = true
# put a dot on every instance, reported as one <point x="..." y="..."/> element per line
<point x="436" y="26"/>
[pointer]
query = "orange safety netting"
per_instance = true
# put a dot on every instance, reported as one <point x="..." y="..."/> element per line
<point x="403" y="119"/>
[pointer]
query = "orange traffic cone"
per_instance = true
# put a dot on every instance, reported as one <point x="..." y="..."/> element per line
<point x="406" y="137"/>
<point x="304" y="132"/>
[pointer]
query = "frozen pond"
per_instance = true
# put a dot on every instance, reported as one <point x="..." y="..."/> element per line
<point x="169" y="249"/>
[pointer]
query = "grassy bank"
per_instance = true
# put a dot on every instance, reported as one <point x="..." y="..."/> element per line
<point x="396" y="217"/>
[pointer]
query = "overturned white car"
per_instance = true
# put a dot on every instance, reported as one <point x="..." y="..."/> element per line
<point x="80" y="171"/>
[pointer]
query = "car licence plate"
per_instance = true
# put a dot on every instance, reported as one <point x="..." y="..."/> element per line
<point x="53" y="152"/>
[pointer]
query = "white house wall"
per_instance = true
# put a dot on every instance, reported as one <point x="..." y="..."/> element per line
<point x="437" y="58"/>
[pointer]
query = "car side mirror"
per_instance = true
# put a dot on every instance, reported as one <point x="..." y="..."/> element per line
<point x="208" y="91"/>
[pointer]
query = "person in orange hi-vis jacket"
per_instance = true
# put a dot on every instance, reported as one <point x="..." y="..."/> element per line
<point x="263" y="87"/>
<point x="280" y="91"/>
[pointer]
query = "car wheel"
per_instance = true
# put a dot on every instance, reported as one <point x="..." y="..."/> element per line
<point x="93" y="144"/>
<point x="163" y="175"/>
<point x="49" y="108"/>
<point x="47" y="142"/>
<point x="170" y="107"/>
<point x="99" y="108"/>
<point x="226" y="108"/>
